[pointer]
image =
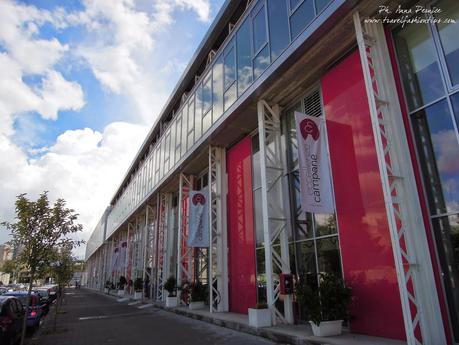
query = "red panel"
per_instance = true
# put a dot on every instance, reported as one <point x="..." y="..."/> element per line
<point x="366" y="249"/>
<point x="417" y="174"/>
<point x="241" y="240"/>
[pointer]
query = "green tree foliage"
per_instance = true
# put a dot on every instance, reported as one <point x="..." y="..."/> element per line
<point x="9" y="267"/>
<point x="39" y="229"/>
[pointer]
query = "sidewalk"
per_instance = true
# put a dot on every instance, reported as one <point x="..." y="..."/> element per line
<point x="291" y="334"/>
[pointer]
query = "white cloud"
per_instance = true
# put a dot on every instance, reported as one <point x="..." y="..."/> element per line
<point x="83" y="167"/>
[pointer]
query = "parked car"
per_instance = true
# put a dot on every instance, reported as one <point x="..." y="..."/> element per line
<point x="45" y="298"/>
<point x="11" y="314"/>
<point x="3" y="290"/>
<point x="35" y="312"/>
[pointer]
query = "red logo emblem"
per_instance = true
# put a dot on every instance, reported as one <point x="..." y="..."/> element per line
<point x="199" y="199"/>
<point x="309" y="127"/>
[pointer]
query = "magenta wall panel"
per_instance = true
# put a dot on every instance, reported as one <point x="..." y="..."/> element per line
<point x="241" y="238"/>
<point x="366" y="249"/>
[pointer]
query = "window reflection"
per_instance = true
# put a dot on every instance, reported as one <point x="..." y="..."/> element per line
<point x="448" y="33"/>
<point x="418" y="65"/>
<point x="261" y="62"/>
<point x="302" y="17"/>
<point x="321" y="4"/>
<point x="259" y="27"/>
<point x="217" y="87"/>
<point x="438" y="148"/>
<point x="455" y="103"/>
<point x="244" y="57"/>
<point x="278" y="27"/>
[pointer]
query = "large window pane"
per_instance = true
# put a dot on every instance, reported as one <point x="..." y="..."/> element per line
<point x="229" y="65"/>
<point x="278" y="27"/>
<point x="217" y="76"/>
<point x="206" y="121"/>
<point x="198" y="114"/>
<point x="302" y="17"/>
<point x="178" y="136"/>
<point x="230" y="96"/>
<point x="184" y="130"/>
<point x="455" y="102"/>
<point x="259" y="27"/>
<point x="207" y="93"/>
<point x="325" y="224"/>
<point x="321" y="4"/>
<point x="438" y="148"/>
<point x="191" y="122"/>
<point x="261" y="62"/>
<point x="244" y="57"/>
<point x="328" y="255"/>
<point x="449" y="36"/>
<point x="307" y="261"/>
<point x="447" y="234"/>
<point x="418" y="65"/>
<point x="173" y="144"/>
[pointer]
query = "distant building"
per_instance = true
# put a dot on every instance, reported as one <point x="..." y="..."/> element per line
<point x="6" y="253"/>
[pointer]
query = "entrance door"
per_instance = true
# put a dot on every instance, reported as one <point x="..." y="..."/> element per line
<point x="241" y="240"/>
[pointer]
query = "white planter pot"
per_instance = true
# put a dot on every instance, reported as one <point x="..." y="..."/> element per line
<point x="138" y="295"/>
<point x="106" y="290"/>
<point x="196" y="305"/>
<point x="171" y="302"/>
<point x="327" y="328"/>
<point x="121" y="293"/>
<point x="259" y="317"/>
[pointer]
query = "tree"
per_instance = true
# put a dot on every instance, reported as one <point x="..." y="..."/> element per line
<point x="9" y="267"/>
<point x="38" y="230"/>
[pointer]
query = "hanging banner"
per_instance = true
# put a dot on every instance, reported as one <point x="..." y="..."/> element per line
<point x="315" y="177"/>
<point x="199" y="219"/>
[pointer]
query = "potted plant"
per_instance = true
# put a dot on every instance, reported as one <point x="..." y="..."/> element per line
<point x="326" y="306"/>
<point x="138" y="287"/>
<point x="171" y="287"/>
<point x="121" y="283"/>
<point x="107" y="287"/>
<point x="260" y="316"/>
<point x="198" y="295"/>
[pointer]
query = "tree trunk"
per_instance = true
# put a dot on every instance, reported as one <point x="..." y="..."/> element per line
<point x="24" y="320"/>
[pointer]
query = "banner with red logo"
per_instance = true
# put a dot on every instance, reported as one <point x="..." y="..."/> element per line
<point x="315" y="177"/>
<point x="199" y="219"/>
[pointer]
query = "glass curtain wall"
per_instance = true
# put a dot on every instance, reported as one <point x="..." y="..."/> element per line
<point x="428" y="59"/>
<point x="314" y="242"/>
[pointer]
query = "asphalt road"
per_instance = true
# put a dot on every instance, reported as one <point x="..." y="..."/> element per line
<point x="90" y="318"/>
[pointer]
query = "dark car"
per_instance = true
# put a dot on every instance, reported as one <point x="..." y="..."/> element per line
<point x="11" y="314"/>
<point x="35" y="312"/>
<point x="46" y="298"/>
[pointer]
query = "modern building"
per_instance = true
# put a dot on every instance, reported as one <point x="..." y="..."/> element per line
<point x="388" y="91"/>
<point x="6" y="253"/>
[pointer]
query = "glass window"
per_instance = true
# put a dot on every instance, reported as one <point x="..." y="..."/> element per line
<point x="259" y="27"/>
<point x="207" y="93"/>
<point x="448" y="33"/>
<point x="261" y="62"/>
<point x="217" y="76"/>
<point x="198" y="114"/>
<point x="325" y="224"/>
<point x="178" y="134"/>
<point x="173" y="144"/>
<point x="293" y="4"/>
<point x="438" y="148"/>
<point x="184" y="130"/>
<point x="321" y="4"/>
<point x="206" y="121"/>
<point x="418" y="65"/>
<point x="301" y="18"/>
<point x="191" y="122"/>
<point x="244" y="57"/>
<point x="328" y="255"/>
<point x="455" y="103"/>
<point x="278" y="27"/>
<point x="230" y="66"/>
<point x="230" y="96"/>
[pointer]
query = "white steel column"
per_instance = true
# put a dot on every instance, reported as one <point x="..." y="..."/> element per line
<point x="275" y="220"/>
<point x="149" y="247"/>
<point x="218" y="258"/>
<point x="421" y="311"/>
<point x="184" y="254"/>
<point x="163" y="209"/>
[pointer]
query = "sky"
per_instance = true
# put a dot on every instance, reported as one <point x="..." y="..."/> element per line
<point x="81" y="83"/>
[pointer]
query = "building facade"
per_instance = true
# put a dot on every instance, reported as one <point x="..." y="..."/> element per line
<point x="388" y="92"/>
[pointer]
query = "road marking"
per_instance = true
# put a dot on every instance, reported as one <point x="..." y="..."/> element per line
<point x="123" y="299"/>
<point x="134" y="303"/>
<point x="92" y="317"/>
<point x="145" y="306"/>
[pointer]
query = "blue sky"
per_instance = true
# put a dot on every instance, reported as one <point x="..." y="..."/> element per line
<point x="81" y="84"/>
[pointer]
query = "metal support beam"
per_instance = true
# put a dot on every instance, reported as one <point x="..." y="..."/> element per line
<point x="184" y="254"/>
<point x="420" y="306"/>
<point x="161" y="274"/>
<point x="149" y="247"/>
<point x="218" y="258"/>
<point x="275" y="213"/>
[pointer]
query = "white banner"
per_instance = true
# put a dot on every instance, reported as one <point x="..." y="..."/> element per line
<point x="199" y="219"/>
<point x="315" y="177"/>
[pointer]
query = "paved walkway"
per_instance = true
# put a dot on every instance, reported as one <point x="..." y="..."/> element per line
<point x="93" y="319"/>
